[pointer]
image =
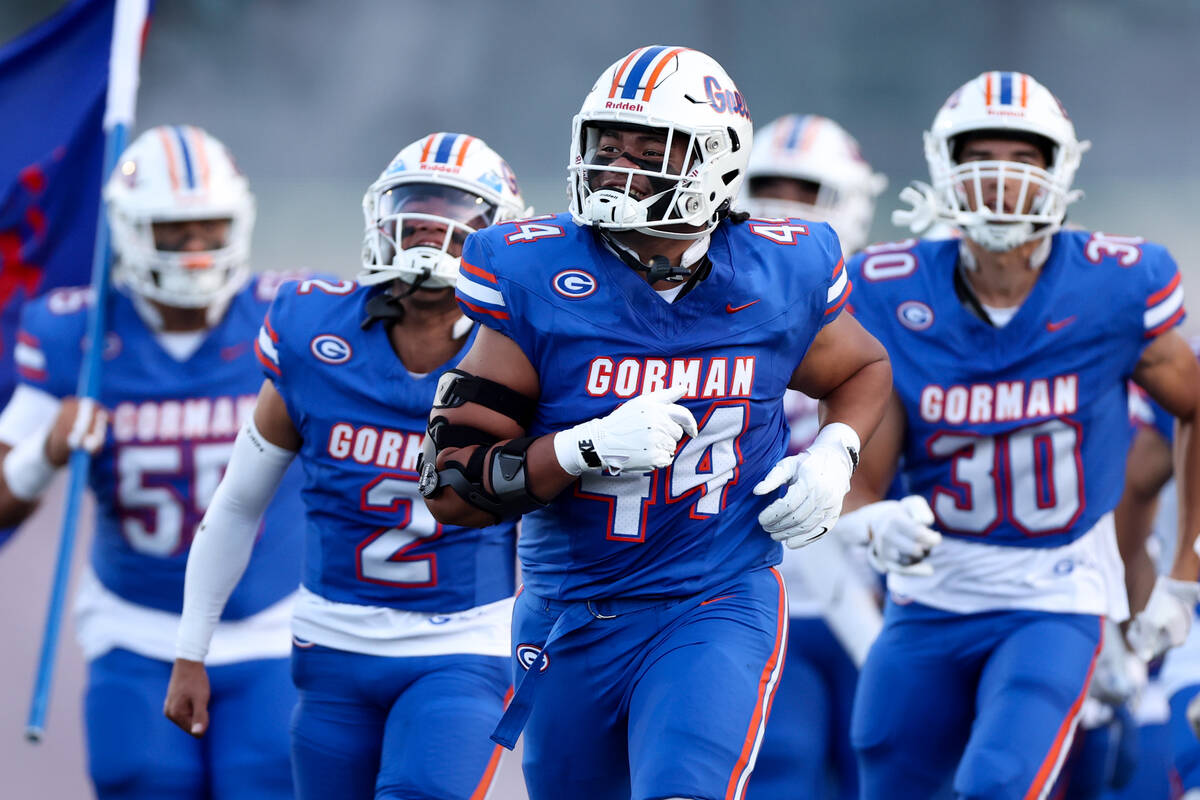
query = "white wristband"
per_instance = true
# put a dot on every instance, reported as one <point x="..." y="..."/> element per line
<point x="566" y="450"/>
<point x="27" y="471"/>
<point x="841" y="436"/>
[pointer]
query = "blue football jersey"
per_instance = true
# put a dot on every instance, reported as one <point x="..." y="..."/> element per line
<point x="362" y="416"/>
<point x="598" y="334"/>
<point x="1017" y="435"/>
<point x="171" y="434"/>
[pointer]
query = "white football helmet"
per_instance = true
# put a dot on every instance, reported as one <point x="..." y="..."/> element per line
<point x="451" y="179"/>
<point x="818" y="150"/>
<point x="175" y="173"/>
<point x="683" y="93"/>
<point x="999" y="103"/>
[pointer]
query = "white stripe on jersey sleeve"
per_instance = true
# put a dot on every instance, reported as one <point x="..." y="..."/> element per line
<point x="267" y="346"/>
<point x="28" y="356"/>
<point x="1162" y="312"/>
<point x="484" y="294"/>
<point x="839" y="285"/>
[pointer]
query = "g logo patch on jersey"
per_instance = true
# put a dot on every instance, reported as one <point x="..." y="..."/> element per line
<point x="914" y="315"/>
<point x="331" y="349"/>
<point x="528" y="655"/>
<point x="574" y="284"/>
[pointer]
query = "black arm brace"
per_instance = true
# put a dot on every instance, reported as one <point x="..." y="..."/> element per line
<point x="505" y="466"/>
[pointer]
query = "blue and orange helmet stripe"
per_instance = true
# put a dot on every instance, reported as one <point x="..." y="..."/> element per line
<point x="441" y="148"/>
<point x="1006" y="89"/>
<point x="628" y="77"/>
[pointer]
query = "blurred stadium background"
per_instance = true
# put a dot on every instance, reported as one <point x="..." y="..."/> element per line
<point x="314" y="98"/>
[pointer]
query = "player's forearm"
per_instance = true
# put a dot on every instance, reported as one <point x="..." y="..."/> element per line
<point x="225" y="538"/>
<point x="1134" y="519"/>
<point x="860" y="400"/>
<point x="1187" y="472"/>
<point x="31" y="472"/>
<point x="545" y="479"/>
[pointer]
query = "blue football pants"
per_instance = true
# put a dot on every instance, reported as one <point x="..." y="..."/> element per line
<point x="668" y="699"/>
<point x="806" y="751"/>
<point x="136" y="753"/>
<point x="379" y="727"/>
<point x="1185" y="748"/>
<point x="991" y="699"/>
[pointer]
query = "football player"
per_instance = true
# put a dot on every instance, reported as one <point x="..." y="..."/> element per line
<point x="401" y="627"/>
<point x="808" y="167"/>
<point x="1011" y="347"/>
<point x="632" y="366"/>
<point x="1145" y="521"/>
<point x="178" y="375"/>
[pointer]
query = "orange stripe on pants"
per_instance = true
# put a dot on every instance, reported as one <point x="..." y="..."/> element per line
<point x="1049" y="769"/>
<point x="485" y="782"/>
<point x="766" y="694"/>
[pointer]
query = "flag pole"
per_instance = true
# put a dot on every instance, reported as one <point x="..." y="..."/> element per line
<point x="129" y="22"/>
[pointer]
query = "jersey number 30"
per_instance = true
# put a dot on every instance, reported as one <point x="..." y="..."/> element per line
<point x="1030" y="475"/>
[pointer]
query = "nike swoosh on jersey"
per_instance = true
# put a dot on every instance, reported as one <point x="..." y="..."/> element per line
<point x="233" y="351"/>
<point x="1060" y="324"/>
<point x="715" y="599"/>
<point x="730" y="309"/>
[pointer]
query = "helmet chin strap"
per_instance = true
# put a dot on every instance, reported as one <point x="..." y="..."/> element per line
<point x="659" y="268"/>
<point x="387" y="307"/>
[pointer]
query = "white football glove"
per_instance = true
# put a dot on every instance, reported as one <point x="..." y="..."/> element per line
<point x="896" y="534"/>
<point x="1119" y="675"/>
<point x="817" y="481"/>
<point x="639" y="435"/>
<point x="923" y="200"/>
<point x="90" y="428"/>
<point x="1165" y="621"/>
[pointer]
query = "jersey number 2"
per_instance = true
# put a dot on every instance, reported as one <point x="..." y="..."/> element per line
<point x="386" y="556"/>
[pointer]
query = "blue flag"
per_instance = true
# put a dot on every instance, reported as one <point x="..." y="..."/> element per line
<point x="53" y="82"/>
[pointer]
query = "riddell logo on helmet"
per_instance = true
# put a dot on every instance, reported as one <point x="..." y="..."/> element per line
<point x="441" y="168"/>
<point x="623" y="105"/>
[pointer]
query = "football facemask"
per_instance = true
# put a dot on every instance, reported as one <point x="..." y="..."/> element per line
<point x="170" y="176"/>
<point x="1003" y="204"/>
<point x="433" y="194"/>
<point x="685" y="97"/>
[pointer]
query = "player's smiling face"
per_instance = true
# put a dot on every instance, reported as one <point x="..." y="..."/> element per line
<point x="643" y="148"/>
<point x="1000" y="149"/>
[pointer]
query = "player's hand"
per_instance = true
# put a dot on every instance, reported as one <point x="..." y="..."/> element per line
<point x="81" y="424"/>
<point x="896" y="534"/>
<point x="639" y="435"/>
<point x="1165" y="621"/>
<point x="923" y="201"/>
<point x="187" y="697"/>
<point x="1119" y="676"/>
<point x="817" y="482"/>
